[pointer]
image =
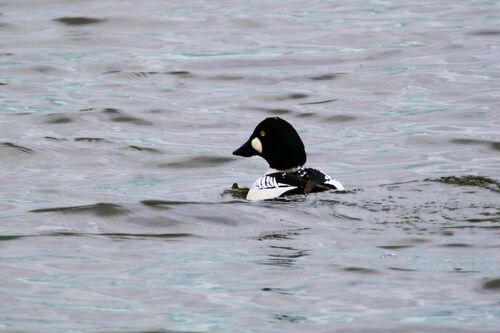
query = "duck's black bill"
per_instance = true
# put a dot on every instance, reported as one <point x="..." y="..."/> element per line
<point x="246" y="150"/>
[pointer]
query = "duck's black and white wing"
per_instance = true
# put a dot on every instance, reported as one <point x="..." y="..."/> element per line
<point x="268" y="187"/>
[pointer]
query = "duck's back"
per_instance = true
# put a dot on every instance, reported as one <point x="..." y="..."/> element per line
<point x="302" y="181"/>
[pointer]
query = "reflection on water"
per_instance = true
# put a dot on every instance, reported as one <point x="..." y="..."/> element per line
<point x="117" y="125"/>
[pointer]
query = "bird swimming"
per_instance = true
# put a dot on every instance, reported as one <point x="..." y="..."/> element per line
<point x="275" y="140"/>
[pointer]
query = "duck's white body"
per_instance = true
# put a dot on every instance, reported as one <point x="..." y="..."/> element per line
<point x="269" y="186"/>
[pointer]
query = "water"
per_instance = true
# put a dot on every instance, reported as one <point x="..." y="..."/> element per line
<point x="117" y="125"/>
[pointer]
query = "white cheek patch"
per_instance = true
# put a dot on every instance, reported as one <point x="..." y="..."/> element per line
<point x="257" y="145"/>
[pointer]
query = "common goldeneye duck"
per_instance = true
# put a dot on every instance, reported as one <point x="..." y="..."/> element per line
<point x="275" y="140"/>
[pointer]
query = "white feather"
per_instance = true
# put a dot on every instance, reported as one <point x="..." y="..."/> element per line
<point x="335" y="183"/>
<point x="267" y="187"/>
<point x="257" y="145"/>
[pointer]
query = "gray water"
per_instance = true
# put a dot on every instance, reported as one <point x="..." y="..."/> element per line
<point x="117" y="123"/>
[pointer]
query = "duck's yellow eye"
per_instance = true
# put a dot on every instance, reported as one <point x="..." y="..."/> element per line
<point x="262" y="133"/>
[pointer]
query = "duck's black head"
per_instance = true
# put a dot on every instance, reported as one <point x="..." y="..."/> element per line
<point x="277" y="142"/>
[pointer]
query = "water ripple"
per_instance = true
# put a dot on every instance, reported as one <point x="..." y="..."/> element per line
<point x="198" y="162"/>
<point x="78" y="20"/>
<point x="98" y="209"/>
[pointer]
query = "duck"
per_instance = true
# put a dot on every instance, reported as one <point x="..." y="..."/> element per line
<point x="276" y="140"/>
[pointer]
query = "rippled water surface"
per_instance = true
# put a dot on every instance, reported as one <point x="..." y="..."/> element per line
<point x="117" y="123"/>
